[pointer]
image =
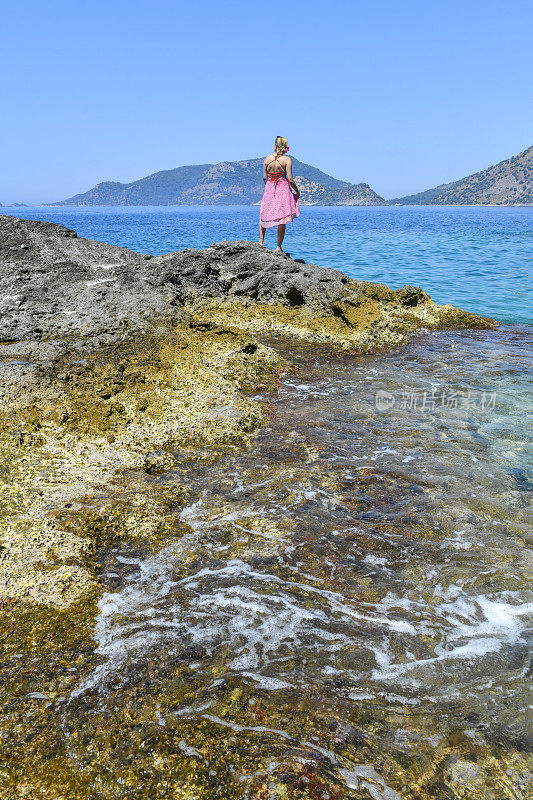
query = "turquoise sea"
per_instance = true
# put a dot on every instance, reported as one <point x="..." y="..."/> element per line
<point x="353" y="592"/>
<point x="477" y="258"/>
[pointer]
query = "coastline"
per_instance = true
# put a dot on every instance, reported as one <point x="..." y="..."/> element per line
<point x="386" y="204"/>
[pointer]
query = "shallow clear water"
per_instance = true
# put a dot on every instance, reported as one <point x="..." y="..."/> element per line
<point x="477" y="258"/>
<point x="374" y="565"/>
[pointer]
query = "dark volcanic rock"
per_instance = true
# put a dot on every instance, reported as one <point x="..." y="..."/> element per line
<point x="244" y="269"/>
<point x="58" y="286"/>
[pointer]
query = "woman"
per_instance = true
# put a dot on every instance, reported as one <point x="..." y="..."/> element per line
<point x="280" y="203"/>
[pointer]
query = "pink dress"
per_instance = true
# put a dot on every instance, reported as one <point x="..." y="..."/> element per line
<point x="279" y="204"/>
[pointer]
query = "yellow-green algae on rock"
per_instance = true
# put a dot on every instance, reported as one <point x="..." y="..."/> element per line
<point x="364" y="325"/>
<point x="64" y="440"/>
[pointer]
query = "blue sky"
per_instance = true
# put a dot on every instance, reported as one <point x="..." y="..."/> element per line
<point x="403" y="95"/>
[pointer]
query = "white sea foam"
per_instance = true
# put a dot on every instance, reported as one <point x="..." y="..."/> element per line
<point x="364" y="776"/>
<point x="267" y="683"/>
<point x="468" y="627"/>
<point x="370" y="558"/>
<point x="379" y="452"/>
<point x="259" y="614"/>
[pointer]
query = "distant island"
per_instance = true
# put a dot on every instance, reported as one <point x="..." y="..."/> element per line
<point x="227" y="183"/>
<point x="508" y="183"/>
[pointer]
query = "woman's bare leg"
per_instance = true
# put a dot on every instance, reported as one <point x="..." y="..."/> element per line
<point x="261" y="234"/>
<point x="281" y="234"/>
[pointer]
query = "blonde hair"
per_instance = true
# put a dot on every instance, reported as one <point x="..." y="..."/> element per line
<point x="280" y="145"/>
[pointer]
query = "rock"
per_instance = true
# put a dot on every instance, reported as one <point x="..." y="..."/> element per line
<point x="244" y="269"/>
<point x="411" y="296"/>
<point x="249" y="348"/>
<point x="58" y="286"/>
<point x="157" y="461"/>
<point x="461" y="772"/>
<point x="376" y="291"/>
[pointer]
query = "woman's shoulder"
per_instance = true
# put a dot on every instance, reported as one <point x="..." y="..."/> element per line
<point x="270" y="156"/>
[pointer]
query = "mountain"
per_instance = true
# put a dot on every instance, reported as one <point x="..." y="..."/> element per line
<point x="349" y="194"/>
<point x="508" y="183"/>
<point x="227" y="183"/>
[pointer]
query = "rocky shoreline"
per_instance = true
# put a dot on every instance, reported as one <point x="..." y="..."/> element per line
<point x="113" y="361"/>
<point x="126" y="382"/>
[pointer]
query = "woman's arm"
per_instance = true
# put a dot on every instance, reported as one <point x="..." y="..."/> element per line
<point x="288" y="170"/>
<point x="265" y="177"/>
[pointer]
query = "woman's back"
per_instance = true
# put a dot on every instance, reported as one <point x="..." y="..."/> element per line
<point x="276" y="163"/>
